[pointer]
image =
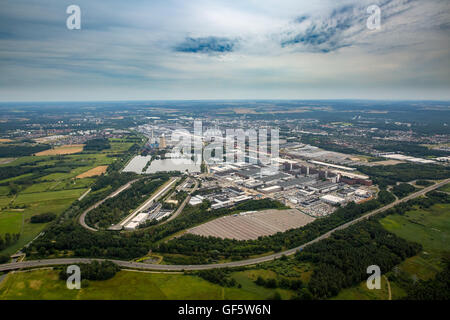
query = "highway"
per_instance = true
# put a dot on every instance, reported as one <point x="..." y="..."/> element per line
<point x="144" y="266"/>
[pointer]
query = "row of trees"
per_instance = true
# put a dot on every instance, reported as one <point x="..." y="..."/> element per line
<point x="218" y="276"/>
<point x="283" y="283"/>
<point x="8" y="151"/>
<point x="69" y="235"/>
<point x="96" y="270"/>
<point x="208" y="249"/>
<point x="43" y="217"/>
<point x="8" y="239"/>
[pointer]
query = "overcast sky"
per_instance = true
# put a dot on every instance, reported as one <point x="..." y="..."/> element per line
<point x="242" y="49"/>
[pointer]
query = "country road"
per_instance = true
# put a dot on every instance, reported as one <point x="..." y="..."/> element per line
<point x="144" y="266"/>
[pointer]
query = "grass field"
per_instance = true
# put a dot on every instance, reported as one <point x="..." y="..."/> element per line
<point x="10" y="221"/>
<point x="361" y="292"/>
<point x="445" y="188"/>
<point x="127" y="285"/>
<point x="430" y="227"/>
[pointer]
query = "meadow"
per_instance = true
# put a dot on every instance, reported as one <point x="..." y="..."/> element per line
<point x="445" y="188"/>
<point x="129" y="285"/>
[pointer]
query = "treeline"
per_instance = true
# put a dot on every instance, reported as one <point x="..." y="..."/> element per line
<point x="8" y="239"/>
<point x="97" y="145"/>
<point x="70" y="236"/>
<point x="342" y="260"/>
<point x="210" y="249"/>
<point x="14" y="151"/>
<point x="95" y="270"/>
<point x="404" y="172"/>
<point x="218" y="276"/>
<point x="43" y="217"/>
<point x="116" y="208"/>
<point x="403" y="189"/>
<point x="14" y="171"/>
<point x="283" y="283"/>
<point x="411" y="149"/>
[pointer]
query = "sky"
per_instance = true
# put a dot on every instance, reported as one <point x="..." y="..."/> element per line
<point x="235" y="49"/>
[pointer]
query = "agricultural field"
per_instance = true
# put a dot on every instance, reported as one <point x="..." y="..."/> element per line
<point x="131" y="285"/>
<point x="55" y="181"/>
<point x="253" y="225"/>
<point x="93" y="172"/>
<point x="68" y="149"/>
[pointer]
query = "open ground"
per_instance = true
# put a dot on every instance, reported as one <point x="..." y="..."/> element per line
<point x="68" y="149"/>
<point x="92" y="172"/>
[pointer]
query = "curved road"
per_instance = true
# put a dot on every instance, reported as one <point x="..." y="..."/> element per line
<point x="112" y="195"/>
<point x="144" y="266"/>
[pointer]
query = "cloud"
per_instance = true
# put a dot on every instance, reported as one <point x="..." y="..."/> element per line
<point x="207" y="45"/>
<point x="341" y="27"/>
<point x="201" y="49"/>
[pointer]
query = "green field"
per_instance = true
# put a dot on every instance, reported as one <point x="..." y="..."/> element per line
<point x="10" y="221"/>
<point x="361" y="292"/>
<point x="27" y="198"/>
<point x="445" y="188"/>
<point x="51" y="189"/>
<point x="128" y="285"/>
<point x="430" y="227"/>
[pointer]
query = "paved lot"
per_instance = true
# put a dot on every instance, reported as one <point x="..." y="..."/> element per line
<point x="253" y="225"/>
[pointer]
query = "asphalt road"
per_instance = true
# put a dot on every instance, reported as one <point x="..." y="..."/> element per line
<point x="112" y="195"/>
<point x="181" y="207"/>
<point x="144" y="266"/>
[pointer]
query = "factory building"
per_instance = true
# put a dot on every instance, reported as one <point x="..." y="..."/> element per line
<point x="334" y="200"/>
<point x="270" y="189"/>
<point x="323" y="186"/>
